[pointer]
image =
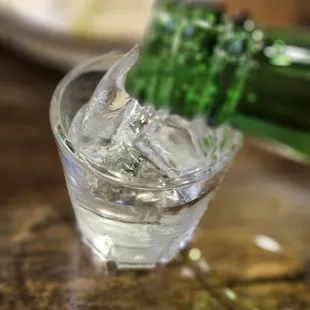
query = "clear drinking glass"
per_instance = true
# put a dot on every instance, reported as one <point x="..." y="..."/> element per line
<point x="142" y="222"/>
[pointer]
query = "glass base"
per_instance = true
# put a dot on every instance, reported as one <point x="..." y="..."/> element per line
<point x="132" y="245"/>
<point x="98" y="257"/>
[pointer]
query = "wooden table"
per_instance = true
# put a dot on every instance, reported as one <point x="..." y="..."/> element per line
<point x="254" y="238"/>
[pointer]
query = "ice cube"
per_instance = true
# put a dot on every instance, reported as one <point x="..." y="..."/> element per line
<point x="171" y="146"/>
<point x="200" y="129"/>
<point x="103" y="114"/>
<point x="133" y="119"/>
<point x="97" y="122"/>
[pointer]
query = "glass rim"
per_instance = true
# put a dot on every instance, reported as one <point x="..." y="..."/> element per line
<point x="206" y="173"/>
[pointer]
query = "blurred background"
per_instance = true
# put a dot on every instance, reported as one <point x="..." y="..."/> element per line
<point x="257" y="227"/>
<point x="61" y="33"/>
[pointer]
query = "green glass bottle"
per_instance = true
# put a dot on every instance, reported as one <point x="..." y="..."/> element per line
<point x="197" y="60"/>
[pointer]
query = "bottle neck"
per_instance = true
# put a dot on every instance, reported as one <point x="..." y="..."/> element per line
<point x="193" y="60"/>
<point x="275" y="102"/>
<point x="196" y="60"/>
<point x="277" y="87"/>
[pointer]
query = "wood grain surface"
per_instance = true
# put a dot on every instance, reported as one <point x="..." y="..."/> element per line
<point x="44" y="266"/>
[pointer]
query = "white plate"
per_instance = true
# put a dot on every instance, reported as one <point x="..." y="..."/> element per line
<point x="65" y="32"/>
<point x="108" y="19"/>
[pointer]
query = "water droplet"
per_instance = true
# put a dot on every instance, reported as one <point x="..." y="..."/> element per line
<point x="194" y="254"/>
<point x="249" y="25"/>
<point x="258" y="35"/>
<point x="269" y="51"/>
<point x="252" y="97"/>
